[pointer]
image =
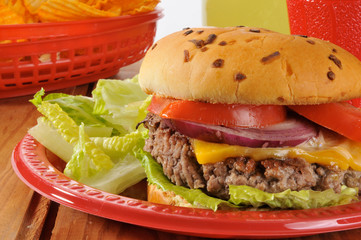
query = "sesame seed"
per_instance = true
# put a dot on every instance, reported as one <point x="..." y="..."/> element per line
<point x="223" y="43"/>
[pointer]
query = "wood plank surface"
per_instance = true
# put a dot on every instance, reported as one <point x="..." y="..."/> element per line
<point x="19" y="116"/>
<point x="23" y="215"/>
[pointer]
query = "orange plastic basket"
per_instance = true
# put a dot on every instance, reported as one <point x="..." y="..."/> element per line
<point x="60" y="55"/>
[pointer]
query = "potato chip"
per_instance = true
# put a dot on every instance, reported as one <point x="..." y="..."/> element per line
<point x="67" y="10"/>
<point x="132" y="7"/>
<point x="141" y="9"/>
<point x="19" y="8"/>
<point x="33" y="5"/>
<point x="9" y="16"/>
<point x="47" y="57"/>
<point x="33" y="11"/>
<point x="98" y="4"/>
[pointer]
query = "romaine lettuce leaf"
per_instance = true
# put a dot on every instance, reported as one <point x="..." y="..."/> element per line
<point x="118" y="146"/>
<point x="49" y="137"/>
<point x="87" y="159"/>
<point x="79" y="108"/>
<point x="94" y="158"/>
<point x="64" y="124"/>
<point x="304" y="199"/>
<point x="91" y="166"/>
<point x="121" y="103"/>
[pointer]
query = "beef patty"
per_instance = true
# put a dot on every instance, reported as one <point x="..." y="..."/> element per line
<point x="174" y="152"/>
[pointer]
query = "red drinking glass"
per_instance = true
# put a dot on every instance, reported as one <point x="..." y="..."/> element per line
<point x="338" y="21"/>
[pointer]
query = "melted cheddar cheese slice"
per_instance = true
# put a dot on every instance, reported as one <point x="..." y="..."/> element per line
<point x="327" y="149"/>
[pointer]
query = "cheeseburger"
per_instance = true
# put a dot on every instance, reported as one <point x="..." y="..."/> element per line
<point x="249" y="117"/>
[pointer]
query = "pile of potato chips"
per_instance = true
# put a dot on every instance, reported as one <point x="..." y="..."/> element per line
<point x="35" y="11"/>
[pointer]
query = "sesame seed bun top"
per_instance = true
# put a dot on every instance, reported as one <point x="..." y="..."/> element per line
<point x="249" y="66"/>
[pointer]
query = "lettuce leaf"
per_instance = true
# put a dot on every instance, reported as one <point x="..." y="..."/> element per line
<point x="90" y="165"/>
<point x="121" y="103"/>
<point x="96" y="153"/>
<point x="304" y="199"/>
<point x="87" y="159"/>
<point x="118" y="146"/>
<point x="195" y="197"/>
<point x="45" y="133"/>
<point x="79" y="108"/>
<point x="64" y="124"/>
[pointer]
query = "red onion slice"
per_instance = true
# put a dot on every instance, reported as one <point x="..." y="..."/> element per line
<point x="289" y="133"/>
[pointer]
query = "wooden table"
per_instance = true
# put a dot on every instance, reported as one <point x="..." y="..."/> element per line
<point x="24" y="214"/>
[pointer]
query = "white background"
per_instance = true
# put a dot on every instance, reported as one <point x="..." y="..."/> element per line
<point x="179" y="14"/>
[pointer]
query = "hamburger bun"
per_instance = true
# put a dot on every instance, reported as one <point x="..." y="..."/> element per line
<point x="157" y="195"/>
<point x="253" y="65"/>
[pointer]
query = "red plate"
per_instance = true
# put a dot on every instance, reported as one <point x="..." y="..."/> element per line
<point x="31" y="164"/>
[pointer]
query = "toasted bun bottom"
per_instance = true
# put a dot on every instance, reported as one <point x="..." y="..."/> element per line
<point x="157" y="195"/>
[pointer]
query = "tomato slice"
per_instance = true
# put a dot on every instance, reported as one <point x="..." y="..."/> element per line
<point x="230" y="115"/>
<point x="157" y="104"/>
<point x="342" y="118"/>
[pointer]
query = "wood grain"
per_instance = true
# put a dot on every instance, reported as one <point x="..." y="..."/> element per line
<point x="73" y="224"/>
<point x="19" y="115"/>
<point x="22" y="212"/>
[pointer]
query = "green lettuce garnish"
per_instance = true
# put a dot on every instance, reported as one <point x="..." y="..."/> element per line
<point x="90" y="165"/>
<point x="121" y="103"/>
<point x="304" y="199"/>
<point x="98" y="152"/>
<point x="119" y="146"/>
<point x="79" y="108"/>
<point x="52" y="139"/>
<point x="64" y="124"/>
<point x="87" y="159"/>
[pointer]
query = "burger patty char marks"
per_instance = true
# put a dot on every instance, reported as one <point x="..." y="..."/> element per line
<point x="174" y="152"/>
